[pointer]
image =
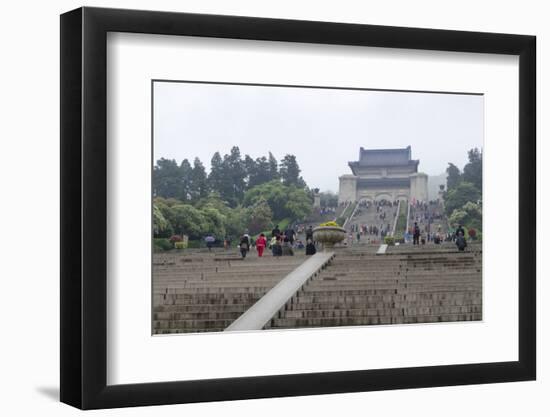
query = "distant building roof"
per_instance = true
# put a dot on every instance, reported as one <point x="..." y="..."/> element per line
<point x="384" y="158"/>
<point x="377" y="157"/>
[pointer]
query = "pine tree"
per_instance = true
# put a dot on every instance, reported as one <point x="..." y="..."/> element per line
<point x="273" y="170"/>
<point x="290" y="171"/>
<point x="473" y="170"/>
<point x="199" y="180"/>
<point x="166" y="178"/>
<point x="453" y="176"/>
<point x="185" y="179"/>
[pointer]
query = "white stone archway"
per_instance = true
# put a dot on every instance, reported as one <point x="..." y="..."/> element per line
<point x="383" y="196"/>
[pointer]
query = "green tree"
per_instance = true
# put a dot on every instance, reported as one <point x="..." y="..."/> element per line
<point x="236" y="221"/>
<point x="273" y="170"/>
<point x="260" y="217"/>
<point x="469" y="215"/>
<point x="166" y="178"/>
<point x="234" y="177"/>
<point x="274" y="193"/>
<point x="453" y="176"/>
<point x="214" y="221"/>
<point x="216" y="176"/>
<point x="249" y="167"/>
<point x="290" y="171"/>
<point x="284" y="201"/>
<point x="186" y="179"/>
<point x="299" y="203"/>
<point x="161" y="226"/>
<point x="199" y="180"/>
<point x="460" y="195"/>
<point x="259" y="172"/>
<point x="188" y="220"/>
<point x="473" y="170"/>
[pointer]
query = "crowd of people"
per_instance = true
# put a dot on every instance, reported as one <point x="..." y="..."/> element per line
<point x="281" y="242"/>
<point x="423" y="214"/>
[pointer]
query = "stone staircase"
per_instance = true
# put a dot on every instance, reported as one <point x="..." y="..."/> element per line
<point x="404" y="286"/>
<point x="205" y="292"/>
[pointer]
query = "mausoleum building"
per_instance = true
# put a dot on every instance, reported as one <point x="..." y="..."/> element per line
<point x="384" y="174"/>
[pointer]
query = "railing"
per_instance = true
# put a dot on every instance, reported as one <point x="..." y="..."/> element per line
<point x="396" y="218"/>
<point x="257" y="316"/>
<point x="351" y="215"/>
<point x="408" y="215"/>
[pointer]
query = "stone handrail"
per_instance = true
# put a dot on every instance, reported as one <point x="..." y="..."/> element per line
<point x="396" y="218"/>
<point x="257" y="316"/>
<point x="351" y="215"/>
<point x="408" y="215"/>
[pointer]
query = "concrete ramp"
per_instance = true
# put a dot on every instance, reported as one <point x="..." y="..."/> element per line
<point x="257" y="316"/>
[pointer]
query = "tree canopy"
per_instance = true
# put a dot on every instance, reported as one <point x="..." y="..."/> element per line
<point x="463" y="198"/>
<point x="238" y="193"/>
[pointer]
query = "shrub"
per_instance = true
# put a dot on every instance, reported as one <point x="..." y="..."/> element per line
<point x="180" y="245"/>
<point x="162" y="244"/>
<point x="389" y="240"/>
<point x="194" y="244"/>
<point x="175" y="238"/>
<point x="330" y="224"/>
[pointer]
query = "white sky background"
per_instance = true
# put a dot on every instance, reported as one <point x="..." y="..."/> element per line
<point x="323" y="128"/>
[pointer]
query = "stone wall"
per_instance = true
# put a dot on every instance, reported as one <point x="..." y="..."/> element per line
<point x="419" y="187"/>
<point x="348" y="189"/>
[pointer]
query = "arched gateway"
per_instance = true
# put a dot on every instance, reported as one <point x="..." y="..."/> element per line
<point x="384" y="174"/>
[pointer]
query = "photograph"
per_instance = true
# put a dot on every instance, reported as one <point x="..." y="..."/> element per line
<point x="279" y="207"/>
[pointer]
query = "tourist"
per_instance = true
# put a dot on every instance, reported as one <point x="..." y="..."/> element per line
<point x="209" y="239"/>
<point x="461" y="242"/>
<point x="276" y="248"/>
<point x="309" y="233"/>
<point x="275" y="232"/>
<point x="459" y="230"/>
<point x="290" y="234"/>
<point x="416" y="234"/>
<point x="310" y="247"/>
<point x="244" y="245"/>
<point x="260" y="244"/>
<point x="287" y="247"/>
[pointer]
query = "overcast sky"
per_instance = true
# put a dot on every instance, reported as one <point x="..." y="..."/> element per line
<point x="323" y="128"/>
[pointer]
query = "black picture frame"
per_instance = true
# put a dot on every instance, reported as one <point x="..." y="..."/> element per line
<point x="84" y="179"/>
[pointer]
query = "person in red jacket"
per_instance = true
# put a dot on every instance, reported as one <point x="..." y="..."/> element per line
<point x="261" y="244"/>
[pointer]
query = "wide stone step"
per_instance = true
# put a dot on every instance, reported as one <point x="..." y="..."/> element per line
<point x="362" y="321"/>
<point x="200" y="308"/>
<point x="229" y="274"/>
<point x="219" y="315"/>
<point x="191" y="324"/>
<point x="376" y="291"/>
<point x="384" y="304"/>
<point x="415" y="279"/>
<point x="389" y="283"/>
<point x="344" y="299"/>
<point x="182" y="299"/>
<point x="221" y="280"/>
<point x="409" y="311"/>
<point x="177" y="331"/>
<point x="189" y="289"/>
